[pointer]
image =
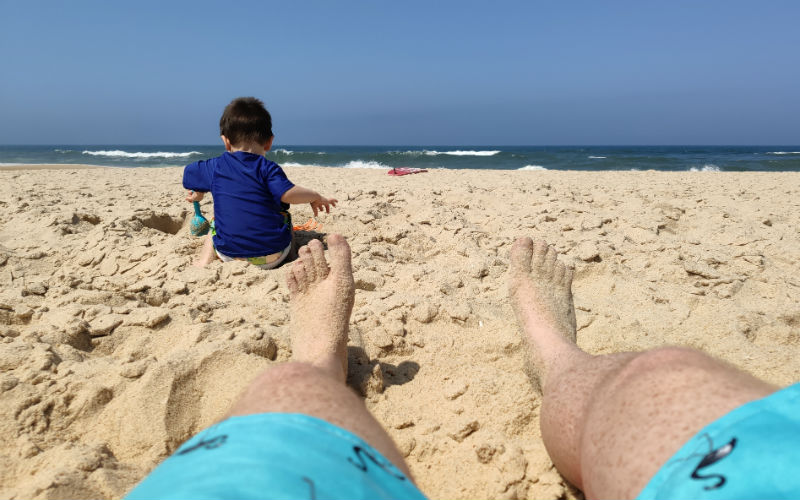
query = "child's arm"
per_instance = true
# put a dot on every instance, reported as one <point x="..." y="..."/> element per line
<point x="299" y="194"/>
<point x="197" y="179"/>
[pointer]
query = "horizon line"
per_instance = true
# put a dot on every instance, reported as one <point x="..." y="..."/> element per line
<point x="413" y="145"/>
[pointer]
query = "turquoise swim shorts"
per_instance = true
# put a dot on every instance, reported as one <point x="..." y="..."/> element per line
<point x="274" y="456"/>
<point x="752" y="452"/>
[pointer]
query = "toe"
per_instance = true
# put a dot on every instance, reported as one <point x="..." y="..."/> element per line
<point x="539" y="252"/>
<point x="549" y="264"/>
<point x="291" y="282"/>
<point x="318" y="258"/>
<point x="568" y="274"/>
<point x="299" y="272"/>
<point x="339" y="253"/>
<point x="308" y="263"/>
<point x="521" y="254"/>
<point x="559" y="271"/>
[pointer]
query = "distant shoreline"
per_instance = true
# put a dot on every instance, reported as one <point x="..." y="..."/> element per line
<point x="67" y="166"/>
<point x="590" y="158"/>
<point x="51" y="166"/>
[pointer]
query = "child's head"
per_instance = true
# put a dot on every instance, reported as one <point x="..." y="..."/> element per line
<point x="246" y="121"/>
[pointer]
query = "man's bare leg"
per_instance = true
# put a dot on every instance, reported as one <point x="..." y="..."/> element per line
<point x="610" y="422"/>
<point x="313" y="383"/>
<point x="207" y="254"/>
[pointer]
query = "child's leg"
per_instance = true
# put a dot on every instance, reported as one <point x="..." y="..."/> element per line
<point x="207" y="254"/>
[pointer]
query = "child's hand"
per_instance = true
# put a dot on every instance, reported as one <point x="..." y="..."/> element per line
<point x="192" y="196"/>
<point x="327" y="203"/>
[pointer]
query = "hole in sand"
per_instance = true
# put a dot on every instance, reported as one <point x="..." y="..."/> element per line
<point x="162" y="222"/>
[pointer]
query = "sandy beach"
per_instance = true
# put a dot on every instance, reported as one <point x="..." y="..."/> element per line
<point x="114" y="350"/>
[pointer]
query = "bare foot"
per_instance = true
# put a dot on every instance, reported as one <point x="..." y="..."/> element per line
<point x="321" y="303"/>
<point x="540" y="289"/>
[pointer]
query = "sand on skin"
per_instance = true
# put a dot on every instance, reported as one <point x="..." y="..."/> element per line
<point x="113" y="350"/>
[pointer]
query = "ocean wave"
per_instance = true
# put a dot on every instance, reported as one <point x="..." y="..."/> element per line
<point x="461" y="153"/>
<point x="365" y="164"/>
<point x="414" y="152"/>
<point x="598" y="157"/>
<point x="293" y="164"/>
<point x="783" y="153"/>
<point x="532" y="167"/>
<point x="706" y="168"/>
<point x="352" y="164"/>
<point x="124" y="154"/>
<point x="64" y="150"/>
<point x="289" y="152"/>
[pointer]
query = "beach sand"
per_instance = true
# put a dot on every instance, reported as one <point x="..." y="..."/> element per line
<point x="113" y="350"/>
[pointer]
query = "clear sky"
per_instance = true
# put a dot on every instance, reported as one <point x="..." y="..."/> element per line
<point x="408" y="72"/>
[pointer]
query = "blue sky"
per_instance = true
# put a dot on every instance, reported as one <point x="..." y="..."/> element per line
<point x="413" y="73"/>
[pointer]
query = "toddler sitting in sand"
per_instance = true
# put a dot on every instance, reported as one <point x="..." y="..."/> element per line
<point x="251" y="194"/>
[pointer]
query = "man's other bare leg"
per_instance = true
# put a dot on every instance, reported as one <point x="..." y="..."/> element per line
<point x="610" y="422"/>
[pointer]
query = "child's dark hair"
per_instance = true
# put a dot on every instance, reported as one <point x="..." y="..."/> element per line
<point x="246" y="120"/>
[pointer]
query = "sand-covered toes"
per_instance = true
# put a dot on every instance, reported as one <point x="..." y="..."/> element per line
<point x="540" y="288"/>
<point x="322" y="296"/>
<point x="540" y="292"/>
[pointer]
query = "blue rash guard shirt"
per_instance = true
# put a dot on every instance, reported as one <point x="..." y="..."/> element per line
<point x="247" y="190"/>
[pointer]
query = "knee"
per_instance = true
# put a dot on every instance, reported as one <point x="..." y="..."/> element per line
<point x="297" y="378"/>
<point x="661" y="365"/>
<point x="293" y="388"/>
<point x="667" y="358"/>
<point x="288" y="374"/>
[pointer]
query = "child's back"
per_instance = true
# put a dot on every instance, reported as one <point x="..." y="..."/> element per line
<point x="251" y="194"/>
<point x="249" y="218"/>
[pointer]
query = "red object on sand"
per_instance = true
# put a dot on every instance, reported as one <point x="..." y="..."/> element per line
<point x="406" y="170"/>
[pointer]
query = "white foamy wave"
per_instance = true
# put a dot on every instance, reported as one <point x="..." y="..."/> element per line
<point x="408" y="153"/>
<point x="706" y="168"/>
<point x="63" y="150"/>
<point x="283" y="151"/>
<point x="461" y="153"/>
<point x="124" y="154"/>
<point x="598" y="157"/>
<point x="784" y="153"/>
<point x="365" y="164"/>
<point x="532" y="167"/>
<point x="292" y="164"/>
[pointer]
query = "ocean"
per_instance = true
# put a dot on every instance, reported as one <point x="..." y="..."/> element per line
<point x="586" y="158"/>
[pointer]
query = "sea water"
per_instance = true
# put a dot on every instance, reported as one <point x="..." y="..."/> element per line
<point x="586" y="158"/>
